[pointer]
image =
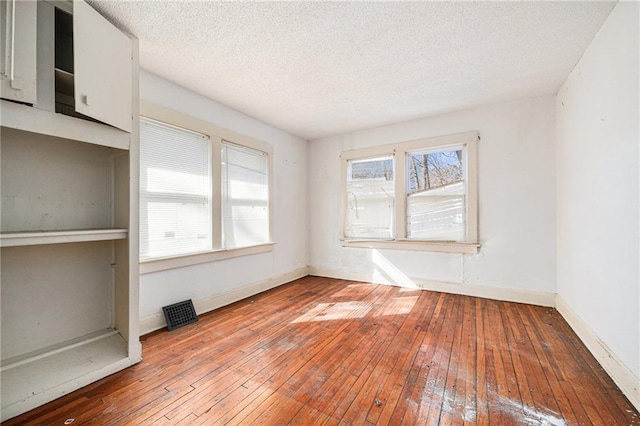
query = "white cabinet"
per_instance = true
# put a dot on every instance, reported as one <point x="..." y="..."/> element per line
<point x="69" y="222"/>
<point x="17" y="50"/>
<point x="78" y="62"/>
<point x="102" y="64"/>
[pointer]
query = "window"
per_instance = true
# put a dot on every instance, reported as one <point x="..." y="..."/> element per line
<point x="175" y="191"/>
<point x="245" y="195"/>
<point x="418" y="195"/>
<point x="370" y="198"/>
<point x="204" y="192"/>
<point x="436" y="195"/>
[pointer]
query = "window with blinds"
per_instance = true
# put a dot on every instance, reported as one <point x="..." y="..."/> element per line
<point x="245" y="196"/>
<point x="175" y="191"/>
<point x="370" y="198"/>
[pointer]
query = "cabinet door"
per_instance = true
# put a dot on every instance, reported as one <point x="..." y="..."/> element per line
<point x="18" y="50"/>
<point x="103" y="68"/>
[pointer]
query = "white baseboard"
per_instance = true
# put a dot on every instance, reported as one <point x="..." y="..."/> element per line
<point x="486" y="292"/>
<point x="156" y="321"/>
<point x="626" y="380"/>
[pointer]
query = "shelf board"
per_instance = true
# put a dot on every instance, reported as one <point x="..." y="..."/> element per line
<point x="31" y="238"/>
<point x="33" y="381"/>
<point x="32" y="119"/>
<point x="64" y="82"/>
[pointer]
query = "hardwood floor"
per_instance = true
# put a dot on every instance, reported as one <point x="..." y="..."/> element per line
<point x="322" y="351"/>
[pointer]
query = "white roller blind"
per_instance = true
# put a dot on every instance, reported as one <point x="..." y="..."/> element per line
<point x="245" y="196"/>
<point x="175" y="191"/>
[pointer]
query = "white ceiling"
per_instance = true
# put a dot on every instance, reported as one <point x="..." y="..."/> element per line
<point x="317" y="69"/>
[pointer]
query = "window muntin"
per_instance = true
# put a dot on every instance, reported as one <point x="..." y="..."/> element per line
<point x="175" y="191"/>
<point x="245" y="196"/>
<point x="370" y="198"/>
<point x="436" y="195"/>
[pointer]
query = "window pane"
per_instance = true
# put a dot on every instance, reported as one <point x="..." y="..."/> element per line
<point x="175" y="191"/>
<point x="245" y="196"/>
<point x="370" y="198"/>
<point x="436" y="195"/>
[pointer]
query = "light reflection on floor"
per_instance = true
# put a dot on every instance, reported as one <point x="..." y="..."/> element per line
<point x="356" y="309"/>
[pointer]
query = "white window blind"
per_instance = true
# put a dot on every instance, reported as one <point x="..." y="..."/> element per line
<point x="175" y="191"/>
<point x="370" y="199"/>
<point x="245" y="196"/>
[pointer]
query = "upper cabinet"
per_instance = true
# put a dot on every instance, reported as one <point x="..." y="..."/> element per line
<point x="80" y="63"/>
<point x="102" y="64"/>
<point x="18" y="51"/>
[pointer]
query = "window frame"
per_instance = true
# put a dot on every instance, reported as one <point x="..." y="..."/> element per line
<point x="216" y="137"/>
<point x="399" y="151"/>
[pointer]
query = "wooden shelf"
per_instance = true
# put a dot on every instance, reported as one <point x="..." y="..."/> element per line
<point x="31" y="238"/>
<point x="32" y="380"/>
<point x="32" y="119"/>
<point x="64" y="82"/>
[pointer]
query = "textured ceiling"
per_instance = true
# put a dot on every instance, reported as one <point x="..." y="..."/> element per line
<point x="317" y="69"/>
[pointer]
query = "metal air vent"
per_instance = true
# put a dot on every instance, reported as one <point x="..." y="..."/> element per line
<point x="179" y="314"/>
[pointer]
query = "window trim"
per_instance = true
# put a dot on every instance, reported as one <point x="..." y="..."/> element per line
<point x="217" y="135"/>
<point x="468" y="140"/>
<point x="180" y="261"/>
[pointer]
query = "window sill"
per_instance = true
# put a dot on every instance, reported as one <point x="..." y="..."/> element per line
<point x="444" y="246"/>
<point x="165" y="263"/>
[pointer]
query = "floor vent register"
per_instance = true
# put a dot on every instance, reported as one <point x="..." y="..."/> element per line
<point x="179" y="314"/>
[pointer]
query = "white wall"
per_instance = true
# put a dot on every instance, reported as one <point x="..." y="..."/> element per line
<point x="516" y="208"/>
<point x="235" y="276"/>
<point x="598" y="191"/>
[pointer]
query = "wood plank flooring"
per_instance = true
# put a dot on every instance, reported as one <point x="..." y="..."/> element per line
<point x="320" y="351"/>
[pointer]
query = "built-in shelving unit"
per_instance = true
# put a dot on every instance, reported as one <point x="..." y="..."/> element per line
<point x="69" y="209"/>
